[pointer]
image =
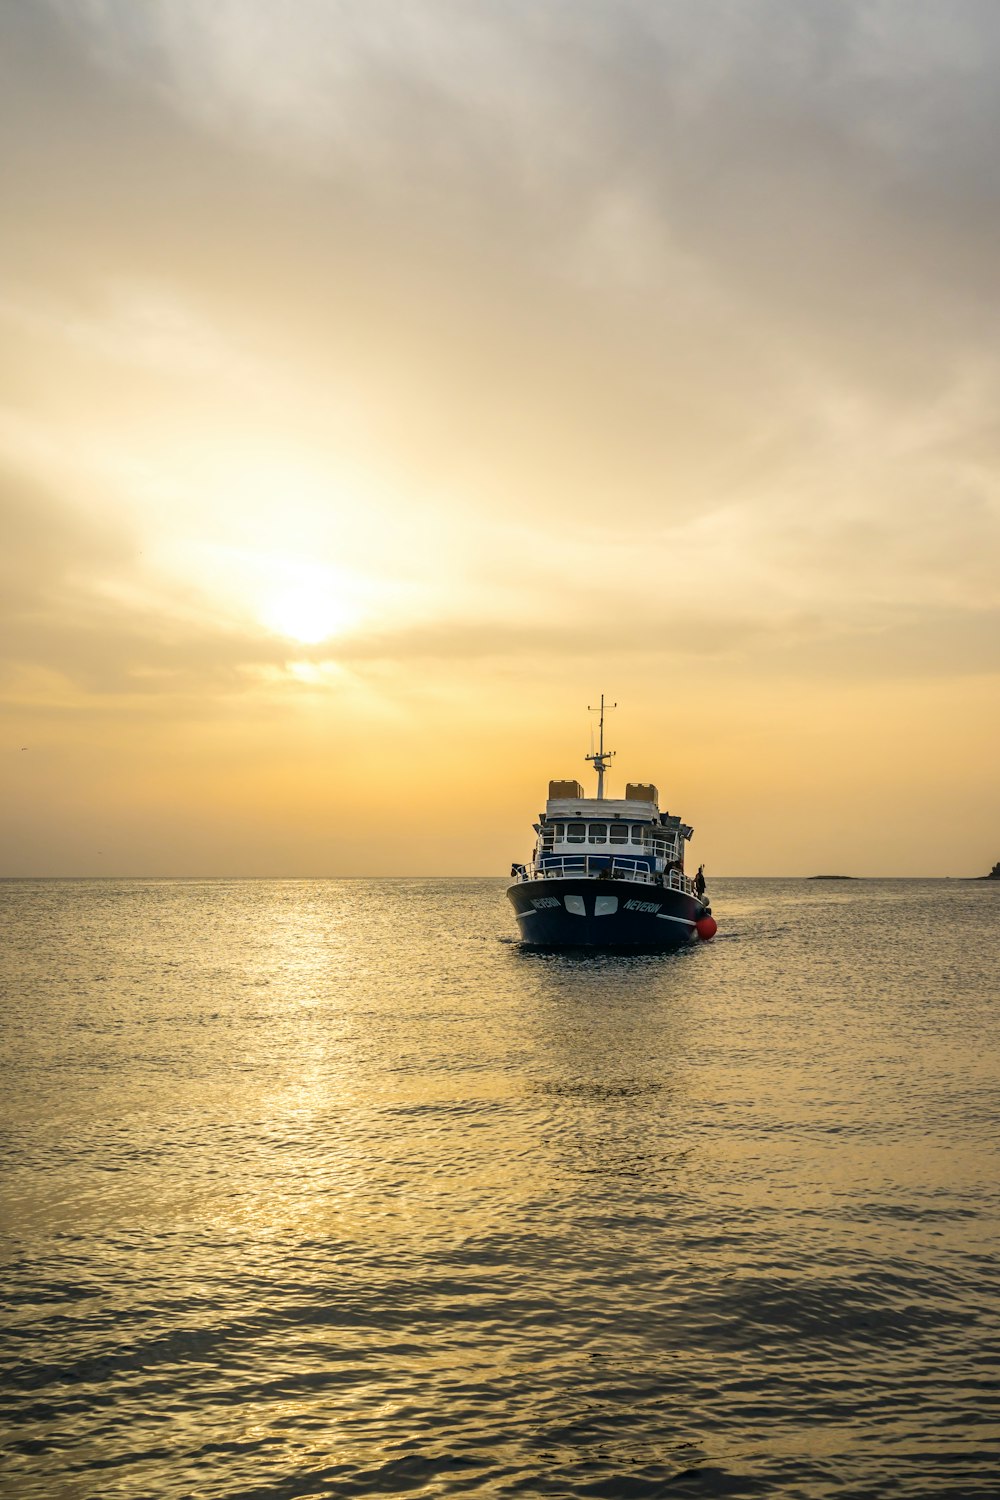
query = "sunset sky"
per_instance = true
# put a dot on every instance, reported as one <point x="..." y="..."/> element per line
<point x="380" y="382"/>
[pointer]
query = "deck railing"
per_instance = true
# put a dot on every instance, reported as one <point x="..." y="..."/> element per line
<point x="593" y="867"/>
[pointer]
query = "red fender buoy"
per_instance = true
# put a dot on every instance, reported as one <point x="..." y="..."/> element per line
<point x="706" y="927"/>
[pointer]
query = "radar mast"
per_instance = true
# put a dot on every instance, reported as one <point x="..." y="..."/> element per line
<point x="600" y="760"/>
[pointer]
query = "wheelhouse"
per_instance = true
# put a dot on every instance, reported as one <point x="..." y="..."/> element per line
<point x="608" y="830"/>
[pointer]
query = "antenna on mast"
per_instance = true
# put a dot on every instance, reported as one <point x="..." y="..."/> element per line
<point x="602" y="757"/>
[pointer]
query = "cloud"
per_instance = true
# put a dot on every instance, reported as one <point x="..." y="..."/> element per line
<point x="78" y="614"/>
<point x="655" y="336"/>
<point x="47" y="546"/>
<point x="748" y="196"/>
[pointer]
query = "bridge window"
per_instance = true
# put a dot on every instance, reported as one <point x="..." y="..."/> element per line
<point x="598" y="833"/>
<point x="575" y="833"/>
<point x="619" y="833"/>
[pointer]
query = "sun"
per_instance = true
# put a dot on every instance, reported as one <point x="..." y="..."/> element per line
<point x="309" y="607"/>
<point x="307" y="619"/>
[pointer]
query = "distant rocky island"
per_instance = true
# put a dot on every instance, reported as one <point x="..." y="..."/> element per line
<point x="993" y="875"/>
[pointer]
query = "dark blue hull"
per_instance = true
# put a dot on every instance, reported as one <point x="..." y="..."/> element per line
<point x="587" y="913"/>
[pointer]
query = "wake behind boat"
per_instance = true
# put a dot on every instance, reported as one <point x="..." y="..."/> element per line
<point x="608" y="872"/>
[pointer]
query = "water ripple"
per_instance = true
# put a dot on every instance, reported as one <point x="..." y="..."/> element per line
<point x="329" y="1189"/>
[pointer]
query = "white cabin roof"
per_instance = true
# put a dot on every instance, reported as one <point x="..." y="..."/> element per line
<point x="608" y="807"/>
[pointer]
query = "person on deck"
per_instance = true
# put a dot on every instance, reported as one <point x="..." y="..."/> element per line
<point x="699" y="881"/>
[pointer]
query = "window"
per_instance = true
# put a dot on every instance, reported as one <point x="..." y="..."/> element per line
<point x="605" y="906"/>
<point x="575" y="832"/>
<point x="619" y="833"/>
<point x="637" y="833"/>
<point x="598" y="833"/>
<point x="575" y="905"/>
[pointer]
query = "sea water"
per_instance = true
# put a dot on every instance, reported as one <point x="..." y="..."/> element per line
<point x="329" y="1188"/>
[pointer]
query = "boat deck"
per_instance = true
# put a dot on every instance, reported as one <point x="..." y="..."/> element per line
<point x="604" y="867"/>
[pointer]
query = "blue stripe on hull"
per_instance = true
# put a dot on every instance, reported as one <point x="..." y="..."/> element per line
<point x="645" y="916"/>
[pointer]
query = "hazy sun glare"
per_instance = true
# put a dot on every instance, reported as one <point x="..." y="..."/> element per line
<point x="307" y="602"/>
<point x="309" y="614"/>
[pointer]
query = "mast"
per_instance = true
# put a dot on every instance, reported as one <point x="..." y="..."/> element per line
<point x="600" y="760"/>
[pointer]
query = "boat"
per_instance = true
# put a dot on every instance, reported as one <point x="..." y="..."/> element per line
<point x="608" y="872"/>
